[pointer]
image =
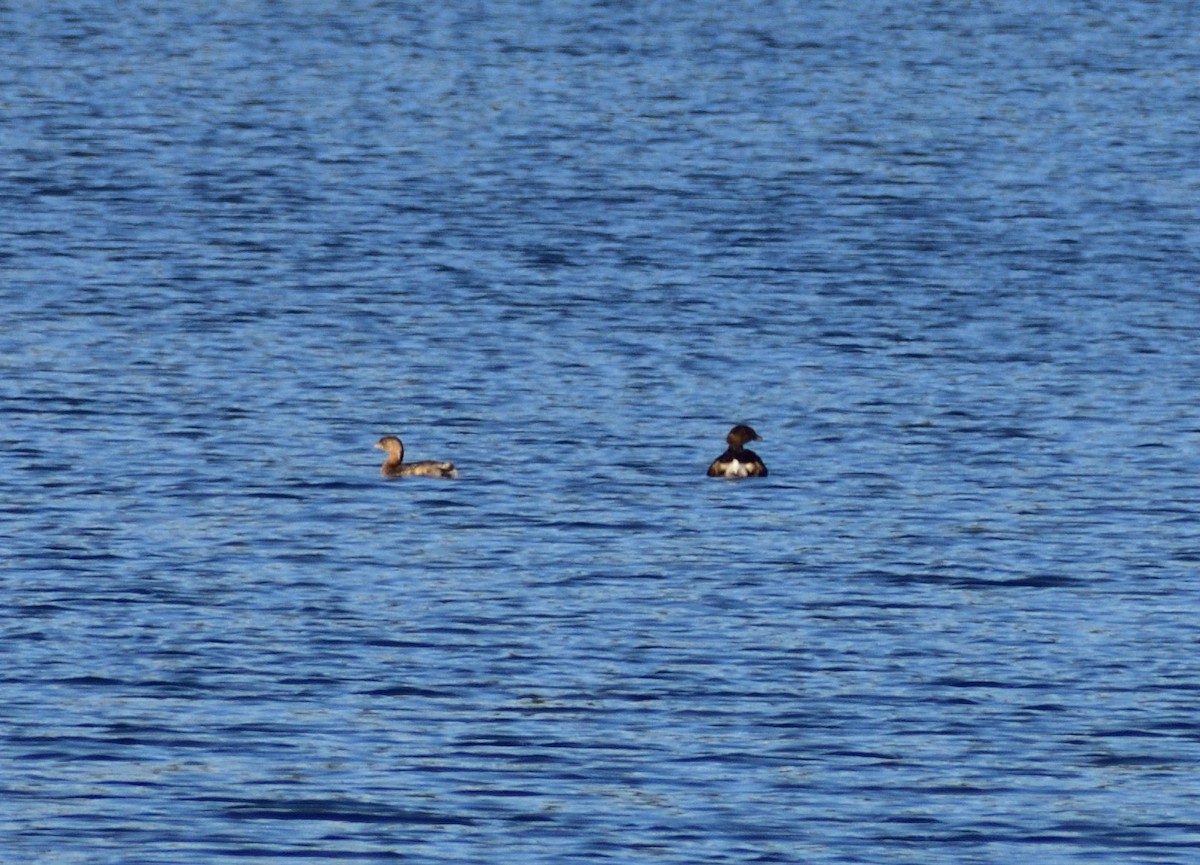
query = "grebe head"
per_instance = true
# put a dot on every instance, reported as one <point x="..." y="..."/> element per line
<point x="392" y="445"/>
<point x="741" y="434"/>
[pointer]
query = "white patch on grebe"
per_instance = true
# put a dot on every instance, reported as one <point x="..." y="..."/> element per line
<point x="735" y="469"/>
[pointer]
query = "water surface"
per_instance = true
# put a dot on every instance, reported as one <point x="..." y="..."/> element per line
<point x="943" y="259"/>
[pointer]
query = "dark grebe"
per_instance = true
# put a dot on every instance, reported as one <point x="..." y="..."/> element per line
<point x="737" y="461"/>
<point x="395" y="467"/>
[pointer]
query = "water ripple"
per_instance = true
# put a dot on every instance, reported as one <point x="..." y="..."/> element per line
<point x="944" y="262"/>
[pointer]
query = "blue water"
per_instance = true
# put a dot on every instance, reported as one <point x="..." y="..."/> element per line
<point x="942" y="256"/>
